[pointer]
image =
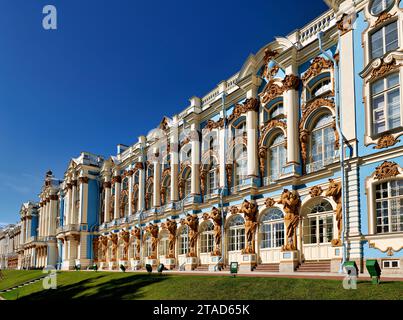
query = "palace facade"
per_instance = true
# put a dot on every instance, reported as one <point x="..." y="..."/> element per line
<point x="295" y="163"/>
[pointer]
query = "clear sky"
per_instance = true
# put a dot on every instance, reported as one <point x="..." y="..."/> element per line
<point x="111" y="71"/>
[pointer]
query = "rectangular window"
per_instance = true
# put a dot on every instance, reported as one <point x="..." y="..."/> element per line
<point x="384" y="40"/>
<point x="385" y="102"/>
<point x="390" y="264"/>
<point x="389" y="206"/>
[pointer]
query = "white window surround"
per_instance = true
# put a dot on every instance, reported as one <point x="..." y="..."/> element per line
<point x="370" y="188"/>
<point x="390" y="264"/>
<point x="369" y="136"/>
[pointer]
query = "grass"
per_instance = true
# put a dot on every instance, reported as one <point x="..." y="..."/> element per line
<point x="129" y="286"/>
<point x="15" y="277"/>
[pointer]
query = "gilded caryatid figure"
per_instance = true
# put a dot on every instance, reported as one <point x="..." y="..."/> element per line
<point x="334" y="191"/>
<point x="103" y="240"/>
<point x="153" y="229"/>
<point x="125" y="237"/>
<point x="250" y="211"/>
<point x="291" y="203"/>
<point x="136" y="233"/>
<point x="113" y="238"/>
<point x="171" y="226"/>
<point x="215" y="215"/>
<point x="192" y="221"/>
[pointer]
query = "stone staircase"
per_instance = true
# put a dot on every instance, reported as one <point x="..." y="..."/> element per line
<point x="23" y="284"/>
<point x="202" y="267"/>
<point x="267" y="267"/>
<point x="314" y="266"/>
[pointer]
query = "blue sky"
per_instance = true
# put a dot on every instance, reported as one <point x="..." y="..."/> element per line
<point x="111" y="71"/>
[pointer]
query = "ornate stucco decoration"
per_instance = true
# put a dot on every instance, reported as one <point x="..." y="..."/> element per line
<point x="123" y="203"/>
<point x="383" y="17"/>
<point x="185" y="141"/>
<point x="125" y="238"/>
<point x="234" y="210"/>
<point x="153" y="230"/>
<point x="136" y="234"/>
<point x="113" y="238"/>
<point x="111" y="208"/>
<point x="290" y="82"/>
<point x="135" y="198"/>
<point x="269" y="202"/>
<point x="211" y="124"/>
<point x="291" y="203"/>
<point x="181" y="186"/>
<point x="268" y="55"/>
<point x="317" y="66"/>
<point x="163" y="192"/>
<point x="215" y="215"/>
<point x="388" y="169"/>
<point x="250" y="211"/>
<point x="251" y="104"/>
<point x="83" y="179"/>
<point x="336" y="135"/>
<point x="303" y="139"/>
<point x="203" y="179"/>
<point x="345" y="24"/>
<point x="171" y="227"/>
<point x="270" y="92"/>
<point x="315" y="191"/>
<point x="262" y="160"/>
<point x="103" y="241"/>
<point x="335" y="192"/>
<point x="116" y="179"/>
<point x="386" y="141"/>
<point x="228" y="172"/>
<point x="274" y="123"/>
<point x="382" y="69"/>
<point x="139" y="166"/>
<point x="192" y="221"/>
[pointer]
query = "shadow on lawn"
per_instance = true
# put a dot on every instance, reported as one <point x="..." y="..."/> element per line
<point x="88" y="289"/>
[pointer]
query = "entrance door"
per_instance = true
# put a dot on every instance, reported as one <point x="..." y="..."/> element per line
<point x="318" y="234"/>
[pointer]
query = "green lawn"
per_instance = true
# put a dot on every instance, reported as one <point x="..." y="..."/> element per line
<point x="15" y="277"/>
<point x="113" y="285"/>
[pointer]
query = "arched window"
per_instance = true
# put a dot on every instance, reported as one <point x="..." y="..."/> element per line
<point x="149" y="196"/>
<point x="320" y="87"/>
<point x="272" y="229"/>
<point x="163" y="246"/>
<point x="379" y="6"/>
<point x="322" y="144"/>
<point x="148" y="248"/>
<point x="276" y="111"/>
<point x="389" y="206"/>
<point x="135" y="200"/>
<point x="236" y="234"/>
<point x="277" y="157"/>
<point x="212" y="177"/>
<point x="206" y="237"/>
<point x="166" y="195"/>
<point x="318" y="224"/>
<point x="184" y="240"/>
<point x="188" y="182"/>
<point x="241" y="161"/>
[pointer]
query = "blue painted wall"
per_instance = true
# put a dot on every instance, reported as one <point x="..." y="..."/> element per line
<point x="34" y="225"/>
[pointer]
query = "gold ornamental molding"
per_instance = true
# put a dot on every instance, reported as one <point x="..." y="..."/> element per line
<point x="269" y="202"/>
<point x="265" y="128"/>
<point x="315" y="191"/>
<point x="317" y="66"/>
<point x="268" y="55"/>
<point x="234" y="210"/>
<point x="389" y="250"/>
<point x="345" y="24"/>
<point x="335" y="191"/>
<point x="83" y="179"/>
<point x="290" y="82"/>
<point x="116" y="179"/>
<point x="384" y="17"/>
<point x="250" y="211"/>
<point x="211" y="124"/>
<point x="251" y="104"/>
<point x="381" y="67"/>
<point x="107" y="184"/>
<point x="388" y="169"/>
<point x="386" y="141"/>
<point x="270" y="92"/>
<point x="139" y="166"/>
<point x="291" y="202"/>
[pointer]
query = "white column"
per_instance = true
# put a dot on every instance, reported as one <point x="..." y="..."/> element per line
<point x="222" y="150"/>
<point x="52" y="215"/>
<point x="83" y="210"/>
<point x="107" y="200"/>
<point x="195" y="189"/>
<point x="117" y="179"/>
<point x="174" y="140"/>
<point x="290" y="99"/>
<point x="251" y="125"/>
<point x="140" y="166"/>
<point x="67" y="205"/>
<point x="157" y="184"/>
<point x="130" y="180"/>
<point x="73" y="203"/>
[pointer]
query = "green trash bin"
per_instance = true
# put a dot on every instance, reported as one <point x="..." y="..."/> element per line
<point x="374" y="270"/>
<point x="349" y="265"/>
<point x="234" y="268"/>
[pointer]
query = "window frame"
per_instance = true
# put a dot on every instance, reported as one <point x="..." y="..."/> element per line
<point x="383" y="28"/>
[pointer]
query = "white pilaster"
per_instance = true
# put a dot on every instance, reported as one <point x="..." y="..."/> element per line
<point x="195" y="188"/>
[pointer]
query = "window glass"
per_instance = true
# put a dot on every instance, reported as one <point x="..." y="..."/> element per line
<point x="378" y="6"/>
<point x="384" y="40"/>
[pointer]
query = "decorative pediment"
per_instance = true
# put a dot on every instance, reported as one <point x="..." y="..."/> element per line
<point x="312" y="106"/>
<point x="271" y="91"/>
<point x="264" y="129"/>
<point x="318" y="65"/>
<point x="251" y="104"/>
<point x="211" y="124"/>
<point x="383" y="17"/>
<point x="388" y="169"/>
<point x="380" y="67"/>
